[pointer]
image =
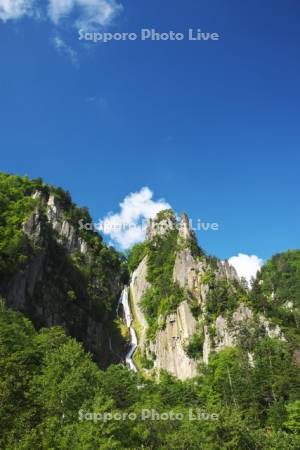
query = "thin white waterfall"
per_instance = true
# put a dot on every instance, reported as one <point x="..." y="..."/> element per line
<point x="124" y="301"/>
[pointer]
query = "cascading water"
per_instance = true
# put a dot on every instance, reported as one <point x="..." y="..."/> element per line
<point x="128" y="318"/>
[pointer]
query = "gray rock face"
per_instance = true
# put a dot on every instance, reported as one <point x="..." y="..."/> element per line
<point x="32" y="227"/>
<point x="160" y="227"/>
<point x="170" y="343"/>
<point x="40" y="196"/>
<point x="185" y="271"/>
<point x="33" y="290"/>
<point x="22" y="284"/>
<point x="225" y="270"/>
<point x="66" y="232"/>
<point x="191" y="275"/>
<point x="242" y="313"/>
<point x="224" y="337"/>
<point x="188" y="272"/>
<point x="184" y="231"/>
<point x="138" y="287"/>
<point x="227" y="335"/>
<point x="272" y="330"/>
<point x="48" y="310"/>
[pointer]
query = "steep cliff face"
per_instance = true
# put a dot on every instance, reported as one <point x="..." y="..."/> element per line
<point x="167" y="350"/>
<point x="67" y="234"/>
<point x="177" y="325"/>
<point x="186" y="306"/>
<point x="206" y="311"/>
<point x="138" y="287"/>
<point x="64" y="276"/>
<point x="169" y="345"/>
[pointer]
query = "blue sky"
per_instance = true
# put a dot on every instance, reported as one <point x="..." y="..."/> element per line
<point x="211" y="127"/>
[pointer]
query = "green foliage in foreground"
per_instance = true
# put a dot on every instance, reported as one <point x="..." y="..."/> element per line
<point x="48" y="383"/>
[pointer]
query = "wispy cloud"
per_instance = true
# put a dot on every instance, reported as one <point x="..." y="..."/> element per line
<point x="72" y="14"/>
<point x="61" y="46"/>
<point x="246" y="266"/>
<point x="128" y="226"/>
<point x="15" y="9"/>
<point x="86" y="14"/>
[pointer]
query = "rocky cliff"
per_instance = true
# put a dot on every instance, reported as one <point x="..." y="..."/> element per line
<point x="200" y="310"/>
<point x="187" y="306"/>
<point x="60" y="275"/>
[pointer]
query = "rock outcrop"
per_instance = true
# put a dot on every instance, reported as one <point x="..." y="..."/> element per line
<point x="169" y="347"/>
<point x="228" y="334"/>
<point x="66" y="232"/>
<point x="188" y="273"/>
<point x="191" y="273"/>
<point x="48" y="289"/>
<point x="161" y="226"/>
<point x="138" y="288"/>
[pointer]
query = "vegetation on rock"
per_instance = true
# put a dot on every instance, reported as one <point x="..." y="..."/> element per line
<point x="164" y="295"/>
<point x="50" y="388"/>
<point x="72" y="288"/>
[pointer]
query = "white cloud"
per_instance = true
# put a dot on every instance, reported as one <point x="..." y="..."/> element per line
<point x="129" y="225"/>
<point x="82" y="14"/>
<point x="246" y="266"/>
<point x="15" y="9"/>
<point x="58" y="9"/>
<point x="86" y="14"/>
<point x="89" y="13"/>
<point x="63" y="47"/>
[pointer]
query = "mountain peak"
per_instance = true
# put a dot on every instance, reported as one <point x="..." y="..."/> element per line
<point x="165" y="221"/>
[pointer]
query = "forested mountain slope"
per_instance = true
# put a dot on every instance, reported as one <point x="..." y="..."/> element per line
<point x="53" y="271"/>
<point x="220" y="361"/>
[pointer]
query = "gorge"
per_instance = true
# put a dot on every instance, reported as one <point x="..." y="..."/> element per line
<point x="75" y="315"/>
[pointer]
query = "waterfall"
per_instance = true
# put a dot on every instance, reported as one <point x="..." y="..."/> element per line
<point x="128" y="319"/>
